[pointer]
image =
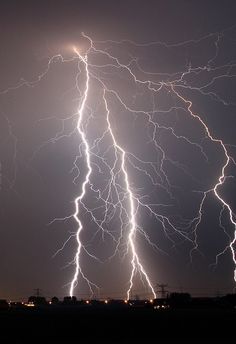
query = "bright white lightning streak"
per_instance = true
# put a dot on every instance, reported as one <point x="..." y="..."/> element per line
<point x="125" y="193"/>
<point x="78" y="269"/>
<point x="172" y="85"/>
<point x="135" y="261"/>
<point x="231" y="214"/>
<point x="221" y="179"/>
<point x="153" y="87"/>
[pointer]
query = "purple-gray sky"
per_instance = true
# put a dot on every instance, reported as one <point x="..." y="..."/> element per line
<point x="36" y="182"/>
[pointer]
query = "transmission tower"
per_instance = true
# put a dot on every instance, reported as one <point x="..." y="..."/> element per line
<point x="38" y="292"/>
<point x="162" y="290"/>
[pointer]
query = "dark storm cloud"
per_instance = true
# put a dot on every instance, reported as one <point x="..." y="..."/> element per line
<point x="33" y="31"/>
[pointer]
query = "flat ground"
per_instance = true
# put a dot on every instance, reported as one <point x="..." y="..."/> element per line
<point x="107" y="325"/>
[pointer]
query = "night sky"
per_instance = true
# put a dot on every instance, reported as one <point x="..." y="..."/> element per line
<point x="188" y="45"/>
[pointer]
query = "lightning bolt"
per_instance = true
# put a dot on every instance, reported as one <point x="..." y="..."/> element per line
<point x="78" y="200"/>
<point x="117" y="197"/>
<point x="152" y="86"/>
<point x="221" y="179"/>
<point x="135" y="261"/>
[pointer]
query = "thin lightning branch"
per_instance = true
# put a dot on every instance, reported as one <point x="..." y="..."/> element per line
<point x="222" y="176"/>
<point x="118" y="198"/>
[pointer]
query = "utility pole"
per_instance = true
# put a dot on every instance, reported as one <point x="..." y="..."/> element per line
<point x="37" y="292"/>
<point x="162" y="290"/>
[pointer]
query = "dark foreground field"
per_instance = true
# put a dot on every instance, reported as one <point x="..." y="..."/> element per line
<point x="106" y="325"/>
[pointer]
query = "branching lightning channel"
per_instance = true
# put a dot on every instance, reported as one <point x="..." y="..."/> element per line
<point x="135" y="260"/>
<point x="119" y="199"/>
<point x="154" y="87"/>
<point x="221" y="179"/>
<point x="78" y="268"/>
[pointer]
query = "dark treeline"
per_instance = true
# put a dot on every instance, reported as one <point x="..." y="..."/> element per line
<point x="178" y="318"/>
<point x="172" y="301"/>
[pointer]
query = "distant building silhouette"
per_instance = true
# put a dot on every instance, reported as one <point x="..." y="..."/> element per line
<point x="37" y="300"/>
<point x="54" y="300"/>
<point x="69" y="300"/>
